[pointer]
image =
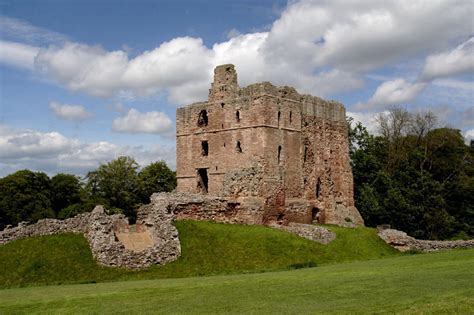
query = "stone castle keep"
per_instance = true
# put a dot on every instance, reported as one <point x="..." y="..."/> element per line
<point x="271" y="154"/>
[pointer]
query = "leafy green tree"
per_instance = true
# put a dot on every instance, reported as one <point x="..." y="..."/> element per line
<point x="66" y="191"/>
<point x="116" y="183"/>
<point x="25" y="196"/>
<point x="156" y="177"/>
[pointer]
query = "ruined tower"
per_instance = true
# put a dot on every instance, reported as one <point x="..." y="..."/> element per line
<point x="274" y="155"/>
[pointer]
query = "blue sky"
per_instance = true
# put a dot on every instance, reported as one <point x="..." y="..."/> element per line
<point x="83" y="82"/>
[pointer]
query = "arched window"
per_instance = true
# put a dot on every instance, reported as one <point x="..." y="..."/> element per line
<point x="202" y="119"/>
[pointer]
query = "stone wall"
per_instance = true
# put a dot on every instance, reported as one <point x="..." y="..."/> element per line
<point x="101" y="231"/>
<point x="298" y="142"/>
<point x="403" y="242"/>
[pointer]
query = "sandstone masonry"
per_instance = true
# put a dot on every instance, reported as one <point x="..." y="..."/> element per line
<point x="403" y="242"/>
<point x="154" y="241"/>
<point x="275" y="155"/>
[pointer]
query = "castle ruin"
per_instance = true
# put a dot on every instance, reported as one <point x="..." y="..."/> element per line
<point x="270" y="154"/>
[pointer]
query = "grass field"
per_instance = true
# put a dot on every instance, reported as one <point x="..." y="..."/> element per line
<point x="207" y="249"/>
<point x="440" y="283"/>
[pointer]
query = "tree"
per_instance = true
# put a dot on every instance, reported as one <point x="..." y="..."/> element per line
<point x="66" y="191"/>
<point x="156" y="177"/>
<point x="25" y="196"/>
<point x="116" y="183"/>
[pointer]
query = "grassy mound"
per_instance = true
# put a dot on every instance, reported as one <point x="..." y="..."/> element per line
<point x="439" y="283"/>
<point x="207" y="249"/>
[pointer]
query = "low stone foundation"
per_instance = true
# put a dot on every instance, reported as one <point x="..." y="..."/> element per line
<point x="403" y="242"/>
<point x="311" y="232"/>
<point x="110" y="239"/>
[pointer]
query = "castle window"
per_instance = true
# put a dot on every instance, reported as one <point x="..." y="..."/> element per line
<point x="279" y="154"/>
<point x="237" y="116"/>
<point x="305" y="153"/>
<point x="222" y="105"/>
<point x="238" y="148"/>
<point x="318" y="188"/>
<point x="203" y="180"/>
<point x="290" y="117"/>
<point x="202" y="119"/>
<point x="204" y="148"/>
<point x="279" y="115"/>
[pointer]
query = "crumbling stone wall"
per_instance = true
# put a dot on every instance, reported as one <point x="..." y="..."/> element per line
<point x="299" y="143"/>
<point x="100" y="230"/>
<point x="403" y="242"/>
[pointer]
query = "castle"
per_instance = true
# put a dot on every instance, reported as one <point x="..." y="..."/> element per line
<point x="269" y="153"/>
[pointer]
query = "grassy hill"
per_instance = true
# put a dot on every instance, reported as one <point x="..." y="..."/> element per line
<point x="207" y="249"/>
<point x="440" y="283"/>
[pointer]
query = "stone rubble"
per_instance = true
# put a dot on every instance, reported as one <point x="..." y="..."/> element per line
<point x="311" y="232"/>
<point x="403" y="242"/>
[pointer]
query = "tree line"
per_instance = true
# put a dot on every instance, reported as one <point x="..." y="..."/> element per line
<point x="118" y="185"/>
<point x="413" y="175"/>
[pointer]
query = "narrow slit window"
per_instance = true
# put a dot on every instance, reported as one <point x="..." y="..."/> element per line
<point x="222" y="105"/>
<point x="290" y="116"/>
<point x="204" y="148"/>
<point x="202" y="119"/>
<point x="237" y="116"/>
<point x="279" y="115"/>
<point x="318" y="188"/>
<point x="305" y="154"/>
<point x="238" y="147"/>
<point x="279" y="154"/>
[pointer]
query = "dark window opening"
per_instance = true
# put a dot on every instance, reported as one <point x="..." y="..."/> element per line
<point x="305" y="154"/>
<point x="222" y="105"/>
<point x="279" y="115"/>
<point x="204" y="148"/>
<point x="202" y="120"/>
<point x="222" y="126"/>
<point x="305" y="181"/>
<point x="315" y="215"/>
<point x="318" y="188"/>
<point x="237" y="116"/>
<point x="279" y="154"/>
<point x="216" y="168"/>
<point x="280" y="217"/>
<point x="224" y="144"/>
<point x="238" y="148"/>
<point x="203" y="180"/>
<point x="290" y="117"/>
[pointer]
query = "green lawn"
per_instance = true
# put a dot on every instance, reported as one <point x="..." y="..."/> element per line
<point x="207" y="249"/>
<point x="441" y="283"/>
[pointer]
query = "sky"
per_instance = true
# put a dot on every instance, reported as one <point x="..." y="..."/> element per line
<point x="84" y="82"/>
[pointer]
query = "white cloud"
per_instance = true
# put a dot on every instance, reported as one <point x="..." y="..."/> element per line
<point x="457" y="61"/>
<point x="136" y="122"/>
<point x="16" y="29"/>
<point x="52" y="152"/>
<point x="320" y="47"/>
<point x="368" y="120"/>
<point x="394" y="92"/>
<point x="18" y="55"/>
<point x="468" y="136"/>
<point x="69" y="112"/>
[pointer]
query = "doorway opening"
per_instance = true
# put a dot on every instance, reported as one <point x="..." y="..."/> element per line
<point x="203" y="180"/>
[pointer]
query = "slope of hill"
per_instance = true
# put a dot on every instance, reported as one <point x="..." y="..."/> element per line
<point x="207" y="249"/>
<point x="440" y="283"/>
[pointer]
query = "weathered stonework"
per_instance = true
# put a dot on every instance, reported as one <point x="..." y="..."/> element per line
<point x="156" y="242"/>
<point x="283" y="154"/>
<point x="311" y="232"/>
<point x="403" y="242"/>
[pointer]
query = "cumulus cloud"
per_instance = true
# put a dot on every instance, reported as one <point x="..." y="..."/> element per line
<point x="320" y="47"/>
<point x="53" y="152"/>
<point x="137" y="122"/>
<point x="368" y="120"/>
<point x="457" y="61"/>
<point x="394" y="92"/>
<point x="69" y="112"/>
<point x="17" y="54"/>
